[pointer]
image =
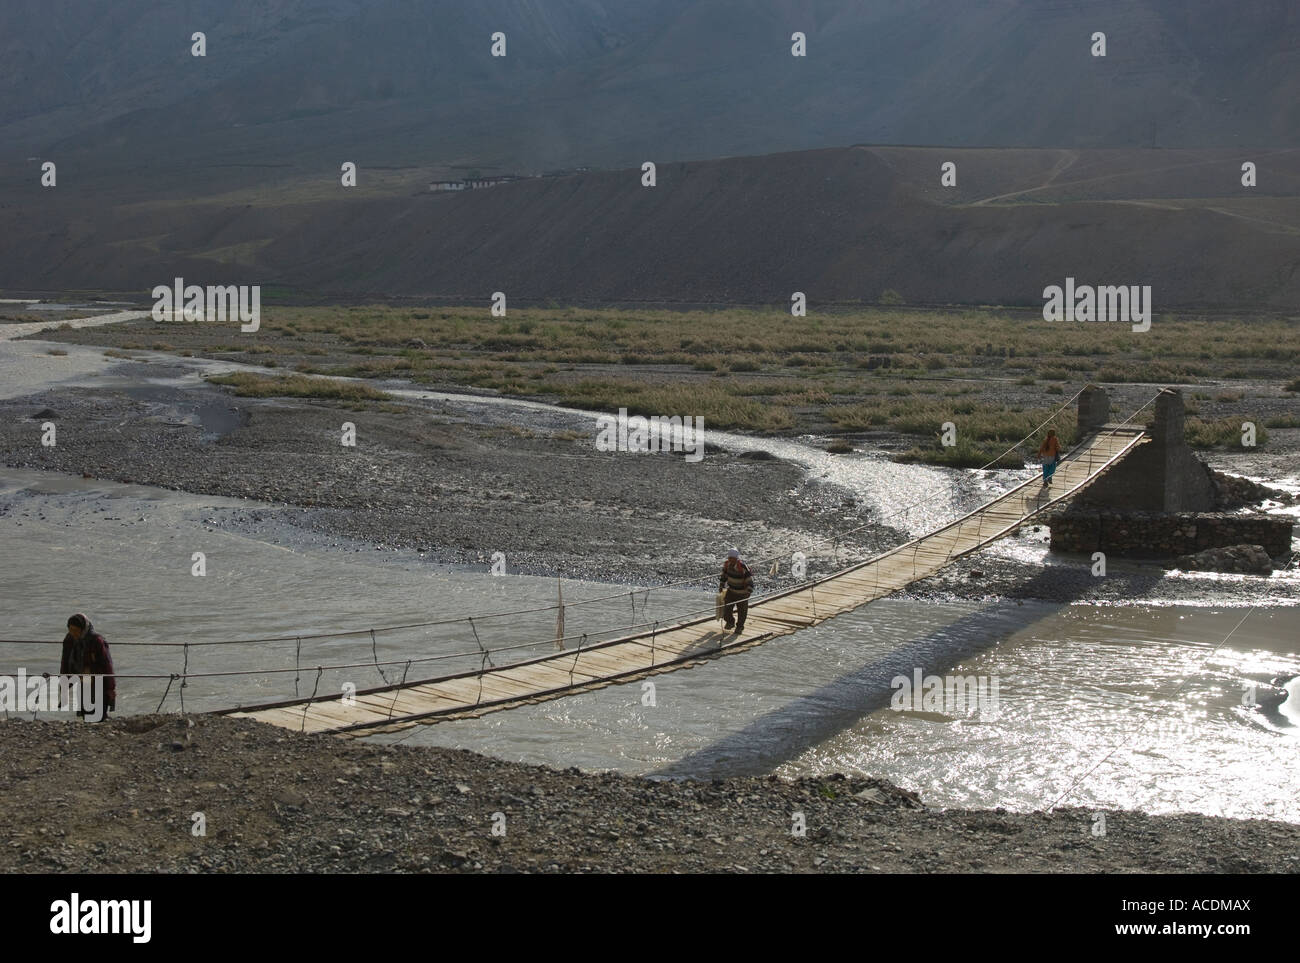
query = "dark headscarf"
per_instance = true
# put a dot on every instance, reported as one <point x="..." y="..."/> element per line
<point x="74" y="650"/>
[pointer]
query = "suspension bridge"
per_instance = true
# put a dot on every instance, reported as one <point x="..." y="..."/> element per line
<point x="632" y="651"/>
<point x="649" y="649"/>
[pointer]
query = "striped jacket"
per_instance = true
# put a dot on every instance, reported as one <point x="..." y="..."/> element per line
<point x="736" y="577"/>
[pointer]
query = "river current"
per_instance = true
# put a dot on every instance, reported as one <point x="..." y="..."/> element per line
<point x="1119" y="706"/>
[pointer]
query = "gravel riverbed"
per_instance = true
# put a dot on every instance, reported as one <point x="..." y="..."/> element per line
<point x="122" y="796"/>
<point x="423" y="478"/>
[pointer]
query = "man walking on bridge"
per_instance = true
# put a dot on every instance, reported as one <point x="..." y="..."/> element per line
<point x="738" y="582"/>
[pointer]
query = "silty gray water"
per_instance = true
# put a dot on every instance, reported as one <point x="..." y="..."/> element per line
<point x="1074" y="681"/>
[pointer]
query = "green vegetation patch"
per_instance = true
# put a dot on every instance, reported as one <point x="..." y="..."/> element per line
<point x="297" y="386"/>
<point x="1219" y="433"/>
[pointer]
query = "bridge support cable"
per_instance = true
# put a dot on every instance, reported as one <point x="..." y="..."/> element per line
<point x="906" y="513"/>
<point x="314" y="689"/>
<point x="661" y="648"/>
<point x="940" y="546"/>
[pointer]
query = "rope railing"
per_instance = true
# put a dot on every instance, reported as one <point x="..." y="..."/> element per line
<point x="808" y="541"/>
<point x="485" y="652"/>
<point x="375" y="663"/>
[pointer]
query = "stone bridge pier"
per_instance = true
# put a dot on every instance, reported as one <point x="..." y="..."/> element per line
<point x="1162" y="475"/>
<point x="1161" y="501"/>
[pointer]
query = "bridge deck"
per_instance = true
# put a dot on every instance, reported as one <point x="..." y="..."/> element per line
<point x="642" y="653"/>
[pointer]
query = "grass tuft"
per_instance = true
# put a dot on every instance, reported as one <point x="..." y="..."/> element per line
<point x="297" y="386"/>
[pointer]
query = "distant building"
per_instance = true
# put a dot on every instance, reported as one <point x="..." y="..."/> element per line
<point x="481" y="182"/>
<point x="478" y="183"/>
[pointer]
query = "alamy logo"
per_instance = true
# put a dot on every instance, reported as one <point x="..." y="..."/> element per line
<point x="658" y="433"/>
<point x="82" y="694"/>
<point x="74" y="916"/>
<point x="955" y="695"/>
<point x="216" y="304"/>
<point x="1104" y="303"/>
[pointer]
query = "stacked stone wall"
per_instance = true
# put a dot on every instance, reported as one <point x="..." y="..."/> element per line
<point x="1164" y="535"/>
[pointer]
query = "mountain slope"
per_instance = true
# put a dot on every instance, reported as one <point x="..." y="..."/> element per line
<point x="307" y="83"/>
<point x="839" y="224"/>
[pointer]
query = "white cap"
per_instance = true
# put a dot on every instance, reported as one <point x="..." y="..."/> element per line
<point x="733" y="554"/>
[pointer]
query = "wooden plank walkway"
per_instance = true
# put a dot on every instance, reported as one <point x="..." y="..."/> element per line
<point x="394" y="707"/>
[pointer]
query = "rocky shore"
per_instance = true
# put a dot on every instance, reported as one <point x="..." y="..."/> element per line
<point x="129" y="796"/>
<point x="1245" y="559"/>
<point x="430" y="479"/>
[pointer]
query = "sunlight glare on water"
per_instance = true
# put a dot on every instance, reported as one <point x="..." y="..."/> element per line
<point x="1133" y="684"/>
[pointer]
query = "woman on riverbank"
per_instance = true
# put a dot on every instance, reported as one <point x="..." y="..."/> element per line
<point x="85" y="652"/>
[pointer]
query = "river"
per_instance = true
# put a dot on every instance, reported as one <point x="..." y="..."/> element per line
<point x="1121" y="706"/>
